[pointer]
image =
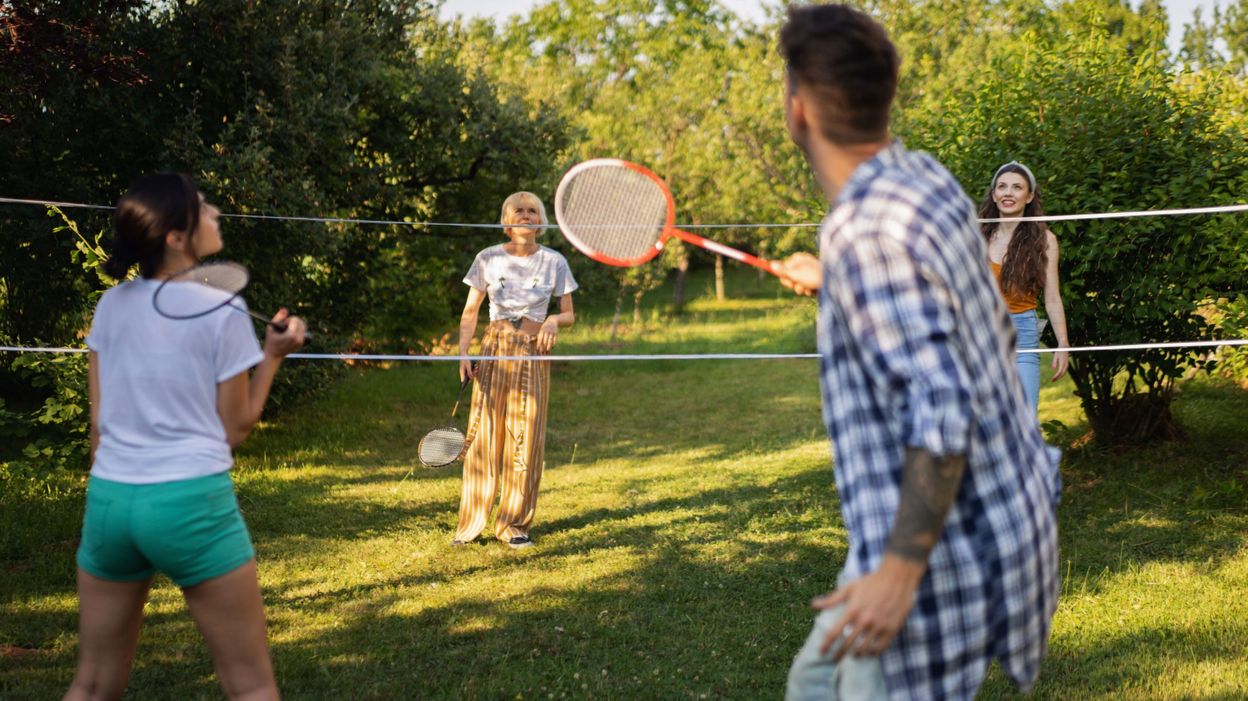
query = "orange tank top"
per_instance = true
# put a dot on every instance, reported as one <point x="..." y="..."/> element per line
<point x="1015" y="301"/>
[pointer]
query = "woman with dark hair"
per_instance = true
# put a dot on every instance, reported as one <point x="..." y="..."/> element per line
<point x="169" y="400"/>
<point x="1023" y="256"/>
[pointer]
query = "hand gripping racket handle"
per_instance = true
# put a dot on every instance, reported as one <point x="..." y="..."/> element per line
<point x="462" y="386"/>
<point x="723" y="250"/>
<point x="277" y="325"/>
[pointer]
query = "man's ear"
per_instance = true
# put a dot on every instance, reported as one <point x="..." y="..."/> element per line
<point x="797" y="109"/>
<point x="794" y="106"/>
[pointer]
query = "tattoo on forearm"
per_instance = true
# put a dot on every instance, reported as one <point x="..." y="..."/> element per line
<point x="929" y="485"/>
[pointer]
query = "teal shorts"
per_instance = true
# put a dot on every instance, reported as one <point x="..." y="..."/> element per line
<point x="191" y="530"/>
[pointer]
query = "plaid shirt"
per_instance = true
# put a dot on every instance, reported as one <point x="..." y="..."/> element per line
<point x="917" y="351"/>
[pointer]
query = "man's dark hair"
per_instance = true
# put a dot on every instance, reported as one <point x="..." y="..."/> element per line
<point x="845" y="59"/>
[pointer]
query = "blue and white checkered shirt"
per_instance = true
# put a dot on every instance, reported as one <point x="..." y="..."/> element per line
<point x="917" y="351"/>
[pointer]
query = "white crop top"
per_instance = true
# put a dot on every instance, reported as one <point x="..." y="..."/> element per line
<point x="520" y="287"/>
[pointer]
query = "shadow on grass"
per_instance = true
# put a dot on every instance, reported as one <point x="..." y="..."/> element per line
<point x="1109" y="667"/>
<point x="666" y="606"/>
<point x="664" y="603"/>
<point x="1179" y="502"/>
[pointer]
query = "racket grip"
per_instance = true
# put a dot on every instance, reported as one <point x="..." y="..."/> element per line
<point x="281" y="328"/>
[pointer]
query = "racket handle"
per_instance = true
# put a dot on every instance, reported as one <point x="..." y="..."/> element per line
<point x="721" y="249"/>
<point x="462" y="386"/>
<point x="281" y="327"/>
<point x="278" y="326"/>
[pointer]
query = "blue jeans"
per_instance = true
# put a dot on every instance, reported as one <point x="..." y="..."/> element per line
<point x="815" y="677"/>
<point x="1028" y="328"/>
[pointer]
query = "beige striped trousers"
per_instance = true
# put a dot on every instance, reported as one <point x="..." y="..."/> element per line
<point x="506" y="437"/>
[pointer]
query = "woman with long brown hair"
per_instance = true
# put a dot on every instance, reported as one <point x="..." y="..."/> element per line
<point x="1023" y="256"/>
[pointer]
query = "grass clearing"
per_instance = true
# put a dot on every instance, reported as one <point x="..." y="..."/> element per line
<point x="687" y="516"/>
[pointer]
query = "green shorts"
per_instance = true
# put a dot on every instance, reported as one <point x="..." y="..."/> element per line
<point x="191" y="530"/>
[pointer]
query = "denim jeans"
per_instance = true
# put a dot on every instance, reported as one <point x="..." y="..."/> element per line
<point x="1028" y="364"/>
<point x="815" y="676"/>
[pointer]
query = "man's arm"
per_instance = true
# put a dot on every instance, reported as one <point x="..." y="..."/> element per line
<point x="877" y="604"/>
<point x="929" y="484"/>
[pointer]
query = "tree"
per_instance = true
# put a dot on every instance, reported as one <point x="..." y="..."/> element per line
<point x="1221" y="44"/>
<point x="651" y="81"/>
<point x="354" y="109"/>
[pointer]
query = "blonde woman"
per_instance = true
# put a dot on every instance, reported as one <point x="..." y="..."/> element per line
<point x="507" y="425"/>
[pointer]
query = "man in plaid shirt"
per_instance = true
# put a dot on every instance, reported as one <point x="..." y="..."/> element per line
<point x="947" y="488"/>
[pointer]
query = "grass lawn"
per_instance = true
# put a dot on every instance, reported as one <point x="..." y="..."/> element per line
<point x="687" y="516"/>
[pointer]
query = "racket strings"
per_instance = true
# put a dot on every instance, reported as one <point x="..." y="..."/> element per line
<point x="224" y="277"/>
<point x="200" y="290"/>
<point x="441" y="446"/>
<point x="614" y="211"/>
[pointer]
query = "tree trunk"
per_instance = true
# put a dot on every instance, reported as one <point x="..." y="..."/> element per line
<point x="615" y="320"/>
<point x="1125" y="416"/>
<point x="1134" y="419"/>
<point x="637" y="307"/>
<point x="719" y="278"/>
<point x="678" y="292"/>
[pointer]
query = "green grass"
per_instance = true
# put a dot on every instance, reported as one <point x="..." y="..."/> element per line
<point x="687" y="516"/>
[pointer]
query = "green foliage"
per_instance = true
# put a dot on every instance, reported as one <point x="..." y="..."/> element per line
<point x="1105" y="131"/>
<point x="343" y="109"/>
<point x="685" y="89"/>
<point x="1232" y="323"/>
<point x="377" y="110"/>
<point x="53" y="434"/>
<point x="60" y="425"/>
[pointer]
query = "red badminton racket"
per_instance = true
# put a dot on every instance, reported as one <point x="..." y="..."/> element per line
<point x="622" y="214"/>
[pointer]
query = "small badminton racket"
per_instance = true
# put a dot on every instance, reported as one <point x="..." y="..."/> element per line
<point x="204" y="289"/>
<point x="622" y="214"/>
<point x="443" y="446"/>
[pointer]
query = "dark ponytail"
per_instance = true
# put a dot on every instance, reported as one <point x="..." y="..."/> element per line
<point x="150" y="209"/>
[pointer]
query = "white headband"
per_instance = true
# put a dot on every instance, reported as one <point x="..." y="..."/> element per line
<point x="1031" y="179"/>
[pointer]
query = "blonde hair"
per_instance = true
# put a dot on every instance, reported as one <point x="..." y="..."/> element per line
<point x="514" y="198"/>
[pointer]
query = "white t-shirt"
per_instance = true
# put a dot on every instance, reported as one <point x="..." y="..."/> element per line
<point x="158" y="386"/>
<point x="520" y="286"/>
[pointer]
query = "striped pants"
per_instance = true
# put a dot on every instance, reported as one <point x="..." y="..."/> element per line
<point x="506" y="438"/>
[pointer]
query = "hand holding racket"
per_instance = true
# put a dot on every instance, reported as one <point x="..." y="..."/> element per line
<point x="620" y="213"/>
<point x="800" y="272"/>
<point x="205" y="288"/>
<point x="286" y="334"/>
<point x="443" y="446"/>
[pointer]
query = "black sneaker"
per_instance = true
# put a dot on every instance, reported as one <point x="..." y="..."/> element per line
<point x="457" y="542"/>
<point x="520" y="541"/>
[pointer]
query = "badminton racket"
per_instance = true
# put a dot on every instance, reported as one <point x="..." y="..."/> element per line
<point x="622" y="214"/>
<point x="204" y="289"/>
<point x="443" y="446"/>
